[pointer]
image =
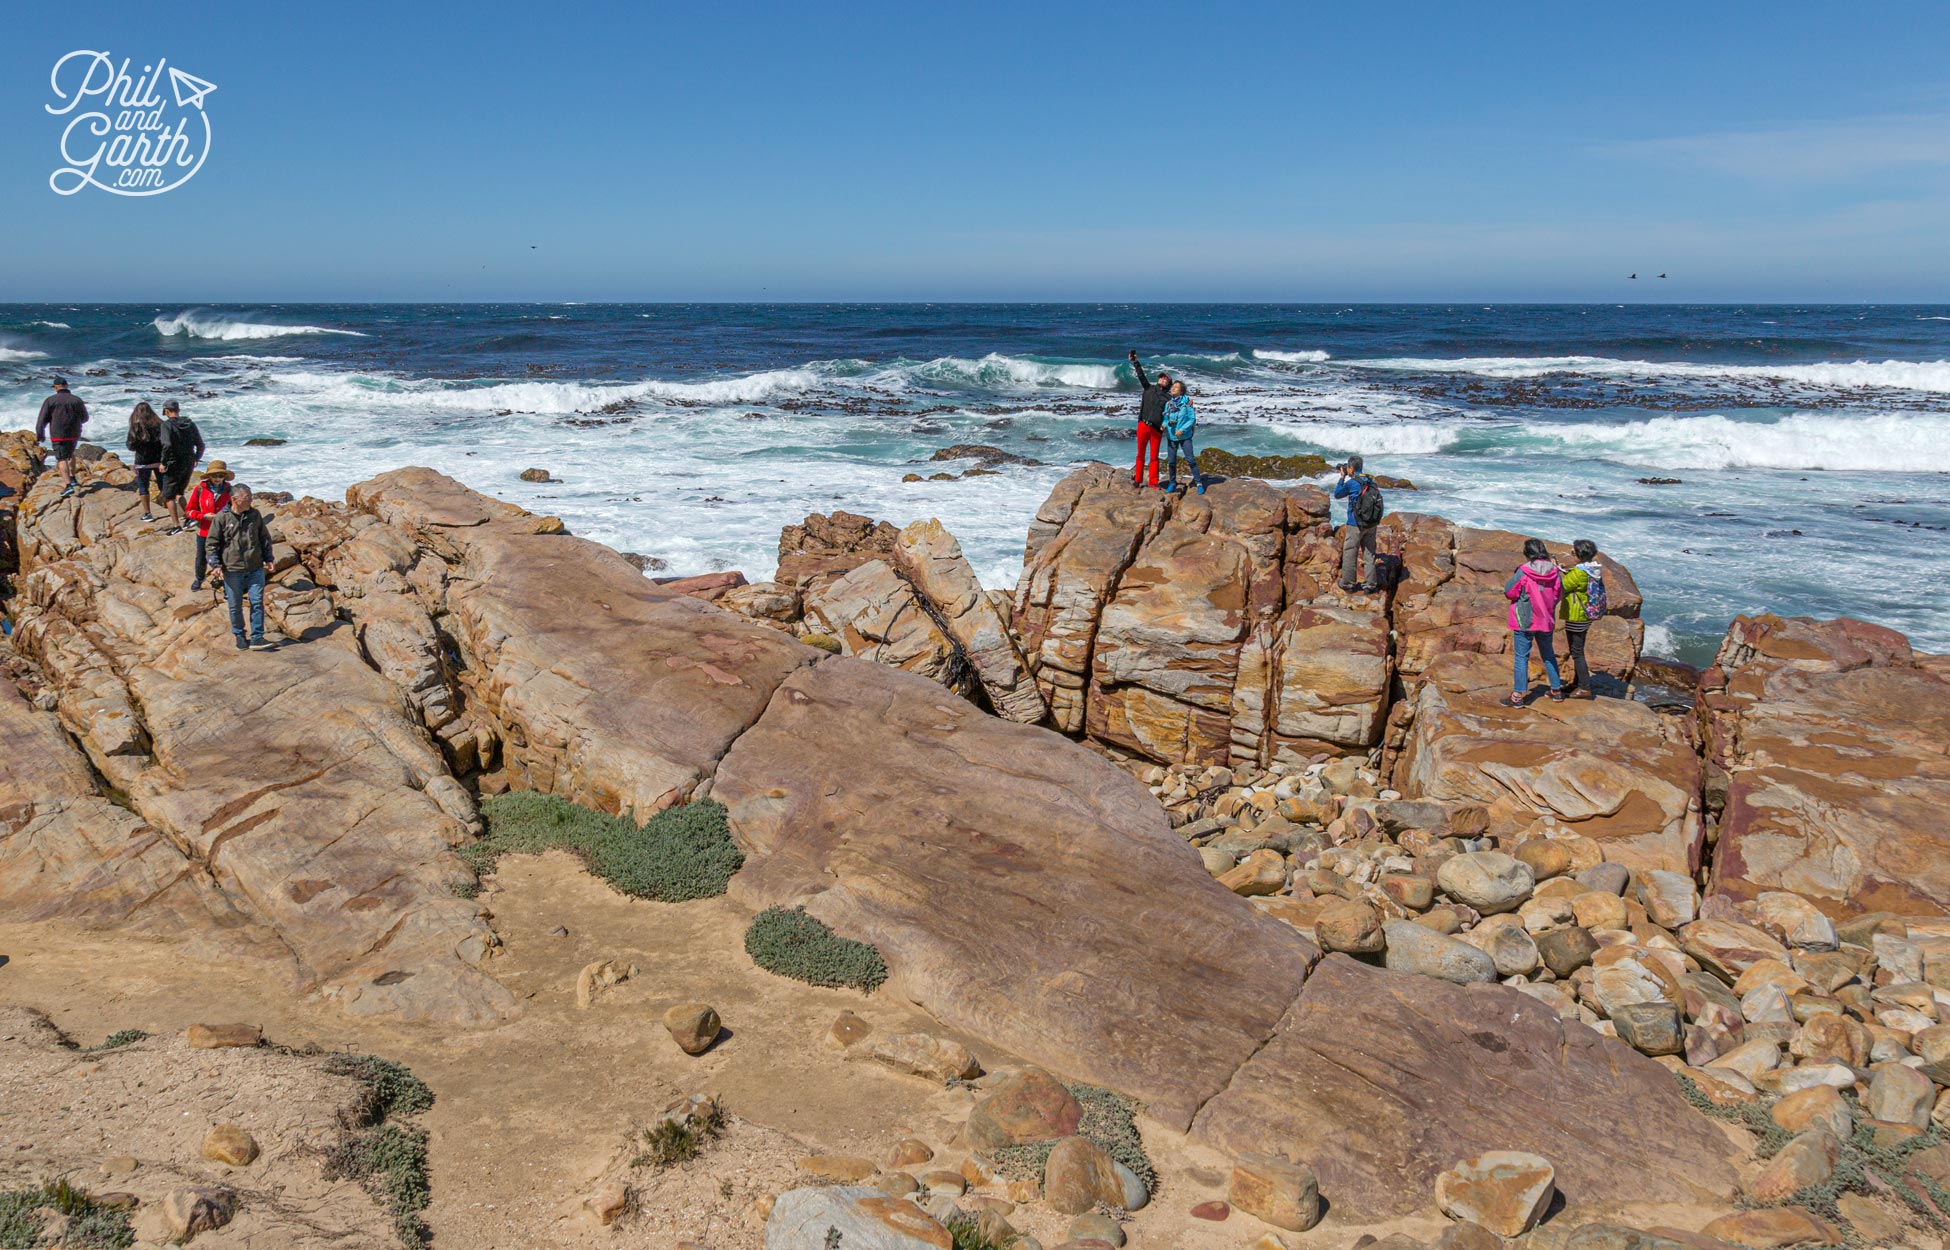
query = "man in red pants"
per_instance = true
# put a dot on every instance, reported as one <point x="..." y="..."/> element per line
<point x="1151" y="423"/>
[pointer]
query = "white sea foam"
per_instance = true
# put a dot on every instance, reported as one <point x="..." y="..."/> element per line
<point x="1378" y="438"/>
<point x="998" y="370"/>
<point x="357" y="391"/>
<point x="17" y="353"/>
<point x="1291" y="358"/>
<point x="199" y="325"/>
<point x="51" y="325"/>
<point x="1890" y="442"/>
<point x="1911" y="375"/>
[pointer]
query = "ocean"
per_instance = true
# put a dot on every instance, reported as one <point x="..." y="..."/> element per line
<point x="1811" y="444"/>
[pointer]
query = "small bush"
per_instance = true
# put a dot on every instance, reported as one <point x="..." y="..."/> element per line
<point x="120" y="1038"/>
<point x="395" y="1090"/>
<point x="683" y="853"/>
<point x="793" y="944"/>
<point x="674" y="1141"/>
<point x="90" y="1225"/>
<point x="968" y="1235"/>
<point x="391" y="1162"/>
<point x="1109" y="1120"/>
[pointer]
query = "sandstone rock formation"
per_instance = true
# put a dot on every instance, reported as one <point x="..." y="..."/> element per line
<point x="1831" y="737"/>
<point x="295" y="783"/>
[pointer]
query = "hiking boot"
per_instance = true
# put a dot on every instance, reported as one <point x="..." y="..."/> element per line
<point x="243" y="644"/>
<point x="1349" y="588"/>
<point x="197" y="584"/>
<point x="1371" y="589"/>
<point x="263" y="644"/>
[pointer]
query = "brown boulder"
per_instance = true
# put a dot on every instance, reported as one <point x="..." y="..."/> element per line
<point x="1030" y="1106"/>
<point x="1504" y="1191"/>
<point x="1079" y="1175"/>
<point x="822" y="548"/>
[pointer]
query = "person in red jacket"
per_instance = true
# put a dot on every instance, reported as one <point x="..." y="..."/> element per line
<point x="211" y="496"/>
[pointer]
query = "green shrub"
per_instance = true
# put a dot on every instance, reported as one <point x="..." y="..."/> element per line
<point x="121" y="1037"/>
<point x="394" y="1088"/>
<point x="681" y="854"/>
<point x="968" y="1235"/>
<point x="91" y="1226"/>
<point x="793" y="944"/>
<point x="391" y="1162"/>
<point x="1109" y="1120"/>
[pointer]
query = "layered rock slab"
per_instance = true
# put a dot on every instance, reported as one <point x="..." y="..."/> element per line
<point x="297" y="782"/>
<point x="1413" y="1073"/>
<point x="1832" y="737"/>
<point x="598" y="685"/>
<point x="1612" y="770"/>
<point x="1020" y="888"/>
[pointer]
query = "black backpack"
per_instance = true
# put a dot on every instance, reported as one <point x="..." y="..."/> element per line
<point x="1368" y="505"/>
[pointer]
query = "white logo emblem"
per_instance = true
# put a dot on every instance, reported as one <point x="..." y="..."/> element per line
<point x="130" y="142"/>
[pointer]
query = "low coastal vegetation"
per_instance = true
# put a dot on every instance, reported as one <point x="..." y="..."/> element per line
<point x="84" y="1224"/>
<point x="383" y="1152"/>
<point x="683" y="853"/>
<point x="793" y="944"/>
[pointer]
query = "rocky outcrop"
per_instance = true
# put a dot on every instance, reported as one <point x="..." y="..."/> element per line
<point x="1828" y="739"/>
<point x="1612" y="770"/>
<point x="296" y="783"/>
<point x="1415" y="1073"/>
<point x="824" y="547"/>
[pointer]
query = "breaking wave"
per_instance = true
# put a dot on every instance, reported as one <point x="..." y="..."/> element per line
<point x="1910" y="375"/>
<point x="998" y="370"/>
<point x="17" y="353"/>
<point x="371" y="390"/>
<point x="1882" y="442"/>
<point x="198" y="326"/>
<point x="1291" y="358"/>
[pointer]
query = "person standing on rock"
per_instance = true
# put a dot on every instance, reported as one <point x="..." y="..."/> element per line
<point x="207" y="502"/>
<point x="240" y="549"/>
<point x="1359" y="535"/>
<point x="1583" y="603"/>
<point x="145" y="443"/>
<point x="1533" y="593"/>
<point x="182" y="448"/>
<point x="1180" y="420"/>
<point x="59" y="425"/>
<point x="1151" y="422"/>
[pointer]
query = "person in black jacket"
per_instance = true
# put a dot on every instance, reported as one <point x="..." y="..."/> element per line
<point x="146" y="450"/>
<point x="1151" y="422"/>
<point x="240" y="549"/>
<point x="182" y="448"/>
<point x="62" y="416"/>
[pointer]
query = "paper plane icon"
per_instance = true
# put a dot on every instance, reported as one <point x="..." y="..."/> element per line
<point x="190" y="89"/>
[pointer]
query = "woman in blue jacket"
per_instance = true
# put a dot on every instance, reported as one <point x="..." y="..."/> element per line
<point x="1180" y="420"/>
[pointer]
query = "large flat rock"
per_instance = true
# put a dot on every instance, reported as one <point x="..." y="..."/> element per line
<point x="1020" y="888"/>
<point x="1381" y="1080"/>
<point x="297" y="783"/>
<point x="1832" y="735"/>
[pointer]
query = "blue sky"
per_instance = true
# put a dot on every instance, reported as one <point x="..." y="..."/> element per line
<point x="1005" y="151"/>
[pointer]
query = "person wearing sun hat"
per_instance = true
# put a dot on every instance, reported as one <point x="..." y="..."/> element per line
<point x="211" y="496"/>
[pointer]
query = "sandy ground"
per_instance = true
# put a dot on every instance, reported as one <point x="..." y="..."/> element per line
<point x="530" y="1114"/>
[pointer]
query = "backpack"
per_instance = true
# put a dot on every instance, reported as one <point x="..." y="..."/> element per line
<point x="1368" y="505"/>
<point x="1595" y="597"/>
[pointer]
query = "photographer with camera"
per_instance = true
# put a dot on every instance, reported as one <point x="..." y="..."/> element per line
<point x="1364" y="509"/>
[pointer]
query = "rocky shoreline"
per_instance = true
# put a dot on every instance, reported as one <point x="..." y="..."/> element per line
<point x="1177" y="820"/>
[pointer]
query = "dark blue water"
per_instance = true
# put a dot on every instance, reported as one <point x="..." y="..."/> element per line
<point x="1812" y="444"/>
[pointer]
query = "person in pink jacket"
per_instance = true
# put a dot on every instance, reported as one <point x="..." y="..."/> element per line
<point x="1533" y="594"/>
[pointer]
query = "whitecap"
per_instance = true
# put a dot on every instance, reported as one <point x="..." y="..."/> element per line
<point x="201" y="326"/>
<point x="1291" y="358"/>
<point x="1888" y="442"/>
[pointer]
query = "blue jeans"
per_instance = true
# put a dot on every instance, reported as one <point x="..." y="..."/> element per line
<point x="238" y="586"/>
<point x="1544" y="652"/>
<point x="1173" y="447"/>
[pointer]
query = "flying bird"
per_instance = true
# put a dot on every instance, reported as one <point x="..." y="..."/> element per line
<point x="1635" y="277"/>
<point x="1662" y="275"/>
